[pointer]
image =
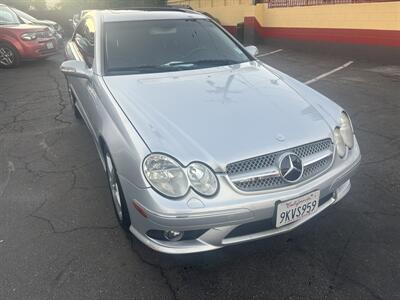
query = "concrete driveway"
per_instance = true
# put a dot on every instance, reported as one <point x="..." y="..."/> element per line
<point x="59" y="237"/>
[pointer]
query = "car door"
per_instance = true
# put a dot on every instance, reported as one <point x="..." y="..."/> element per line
<point x="82" y="48"/>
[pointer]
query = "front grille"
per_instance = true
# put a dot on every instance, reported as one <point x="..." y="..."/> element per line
<point x="270" y="162"/>
<point x="43" y="34"/>
<point x="47" y="51"/>
<point x="316" y="167"/>
<point x="261" y="183"/>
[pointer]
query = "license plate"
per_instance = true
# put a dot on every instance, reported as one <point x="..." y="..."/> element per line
<point x="293" y="210"/>
<point x="50" y="45"/>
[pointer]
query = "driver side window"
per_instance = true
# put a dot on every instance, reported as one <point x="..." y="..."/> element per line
<point x="84" y="39"/>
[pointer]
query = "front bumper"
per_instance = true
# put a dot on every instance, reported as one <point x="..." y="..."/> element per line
<point x="229" y="210"/>
<point x="38" y="48"/>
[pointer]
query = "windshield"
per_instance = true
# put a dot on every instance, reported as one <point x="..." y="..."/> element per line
<point x="7" y="16"/>
<point x="25" y="16"/>
<point x="168" y="45"/>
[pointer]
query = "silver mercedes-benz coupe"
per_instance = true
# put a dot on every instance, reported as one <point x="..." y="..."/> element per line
<point x="203" y="144"/>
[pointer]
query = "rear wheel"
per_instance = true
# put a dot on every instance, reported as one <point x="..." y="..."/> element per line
<point x="120" y="207"/>
<point x="9" y="56"/>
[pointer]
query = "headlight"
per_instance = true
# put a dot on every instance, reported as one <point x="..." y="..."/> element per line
<point x="169" y="178"/>
<point x="166" y="175"/>
<point x="202" y="179"/>
<point x="340" y="145"/>
<point x="30" y="36"/>
<point x="346" y="130"/>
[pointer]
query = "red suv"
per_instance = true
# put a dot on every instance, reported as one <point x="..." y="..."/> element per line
<point x="20" y="41"/>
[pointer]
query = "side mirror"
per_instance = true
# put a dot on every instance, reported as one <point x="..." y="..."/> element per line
<point x="253" y="50"/>
<point x="76" y="69"/>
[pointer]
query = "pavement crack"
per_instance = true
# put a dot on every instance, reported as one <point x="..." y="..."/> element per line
<point x="170" y="287"/>
<point x="336" y="271"/>
<point x="62" y="171"/>
<point x="62" y="103"/>
<point x="156" y="266"/>
<point x="53" y="229"/>
<point x="57" y="282"/>
<point x="3" y="186"/>
<point x="363" y="286"/>
<point x="39" y="207"/>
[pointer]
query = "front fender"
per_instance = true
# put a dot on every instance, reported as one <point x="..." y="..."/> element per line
<point x="12" y="40"/>
<point x="124" y="143"/>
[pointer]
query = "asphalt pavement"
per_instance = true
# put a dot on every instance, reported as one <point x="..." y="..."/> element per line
<point x="59" y="238"/>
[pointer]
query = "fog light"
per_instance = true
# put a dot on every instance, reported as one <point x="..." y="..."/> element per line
<point x="173" y="236"/>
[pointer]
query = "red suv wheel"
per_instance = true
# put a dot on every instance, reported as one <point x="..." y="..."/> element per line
<point x="9" y="56"/>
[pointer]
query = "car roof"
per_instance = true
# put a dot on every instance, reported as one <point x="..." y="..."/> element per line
<point x="121" y="15"/>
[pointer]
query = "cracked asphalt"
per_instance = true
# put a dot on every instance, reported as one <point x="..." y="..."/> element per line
<point x="59" y="238"/>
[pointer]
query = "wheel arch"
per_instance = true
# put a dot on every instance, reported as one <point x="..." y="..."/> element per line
<point x="13" y="43"/>
<point x="103" y="149"/>
<point x="6" y="42"/>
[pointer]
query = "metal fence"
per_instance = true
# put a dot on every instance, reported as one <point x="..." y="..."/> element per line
<point x="292" y="3"/>
<point x="212" y="3"/>
<point x="270" y="3"/>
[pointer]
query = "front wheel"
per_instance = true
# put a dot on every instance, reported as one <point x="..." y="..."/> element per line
<point x="9" y="56"/>
<point x="120" y="207"/>
<point x="77" y="114"/>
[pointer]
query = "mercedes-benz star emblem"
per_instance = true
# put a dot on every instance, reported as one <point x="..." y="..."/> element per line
<point x="290" y="167"/>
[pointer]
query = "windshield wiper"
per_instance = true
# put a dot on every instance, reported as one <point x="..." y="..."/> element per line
<point x="215" y="62"/>
<point x="172" y="66"/>
<point x="137" y="69"/>
<point x="178" y="64"/>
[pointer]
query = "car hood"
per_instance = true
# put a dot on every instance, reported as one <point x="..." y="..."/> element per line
<point x="217" y="115"/>
<point x="46" y="22"/>
<point x="24" y="27"/>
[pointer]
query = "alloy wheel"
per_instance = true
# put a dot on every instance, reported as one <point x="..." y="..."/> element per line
<point x="7" y="56"/>
<point x="114" y="186"/>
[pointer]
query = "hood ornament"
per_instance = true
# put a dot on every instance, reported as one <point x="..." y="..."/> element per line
<point x="290" y="167"/>
<point x="280" y="137"/>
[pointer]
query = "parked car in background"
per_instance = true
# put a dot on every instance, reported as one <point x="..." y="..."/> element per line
<point x="77" y="18"/>
<point x="55" y="28"/>
<point x="203" y="144"/>
<point x="20" y="41"/>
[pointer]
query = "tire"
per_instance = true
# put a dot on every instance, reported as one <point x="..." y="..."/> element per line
<point x="9" y="56"/>
<point x="77" y="114"/>
<point x="117" y="195"/>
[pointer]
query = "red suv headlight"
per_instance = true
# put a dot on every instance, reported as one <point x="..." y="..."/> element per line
<point x="29" y="36"/>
